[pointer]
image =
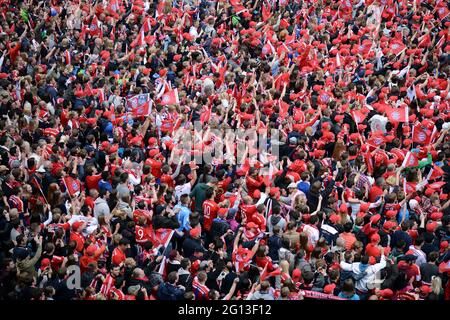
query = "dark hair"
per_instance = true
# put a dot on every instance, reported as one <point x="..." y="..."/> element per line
<point x="172" y="277"/>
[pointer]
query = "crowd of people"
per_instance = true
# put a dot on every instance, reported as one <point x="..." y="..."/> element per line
<point x="98" y="204"/>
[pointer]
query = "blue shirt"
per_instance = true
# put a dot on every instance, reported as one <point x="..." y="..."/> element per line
<point x="344" y="296"/>
<point x="105" y="185"/>
<point x="183" y="217"/>
<point x="303" y="186"/>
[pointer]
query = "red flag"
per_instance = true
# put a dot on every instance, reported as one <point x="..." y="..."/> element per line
<point x="268" y="48"/>
<point x="442" y="12"/>
<point x="411" y="160"/>
<point x="281" y="80"/>
<point x="73" y="186"/>
<point x="283" y="108"/>
<point x="139" y="104"/>
<point x="68" y="58"/>
<point x="205" y="116"/>
<point x="112" y="35"/>
<point x="266" y="13"/>
<point x="140" y="39"/>
<point x="114" y="9"/>
<point x="94" y="28"/>
<point x="358" y="116"/>
<point x="147" y="25"/>
<point x="435" y="173"/>
<point x="162" y="236"/>
<point x="170" y="97"/>
<point x="421" y="134"/>
<point x="397" y="46"/>
<point x="398" y="114"/>
<point x="437" y="185"/>
<point x="264" y="274"/>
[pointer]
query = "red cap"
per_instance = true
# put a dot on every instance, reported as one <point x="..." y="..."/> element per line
<point x="152" y="141"/>
<point x="90" y="251"/>
<point x="153" y="152"/>
<point x="364" y="207"/>
<point x="374" y="219"/>
<point x="76" y="225"/>
<point x="194" y="232"/>
<point x="329" y="288"/>
<point x="386" y="293"/>
<point x="162" y="72"/>
<point x="104" y="145"/>
<point x="391" y="214"/>
<point x="45" y="263"/>
<point x="436" y="215"/>
<point x="296" y="274"/>
<point x="375" y="238"/>
<point x="136" y="141"/>
<point x="338" y="118"/>
<point x="388" y="225"/>
<point x="335" y="218"/>
<point x="425" y="289"/>
<point x="431" y="226"/>
<point x="443" y="246"/>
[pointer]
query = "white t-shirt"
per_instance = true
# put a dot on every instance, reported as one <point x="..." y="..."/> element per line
<point x="183" y="189"/>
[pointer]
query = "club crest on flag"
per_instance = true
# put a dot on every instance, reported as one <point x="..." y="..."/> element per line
<point x="395" y="115"/>
<point x="422" y="136"/>
<point x="378" y="141"/>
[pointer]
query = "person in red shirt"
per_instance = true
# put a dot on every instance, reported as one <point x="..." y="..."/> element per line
<point x="210" y="208"/>
<point x="258" y="218"/>
<point x="253" y="181"/>
<point x="222" y="185"/>
<point x="372" y="248"/>
<point x="407" y="265"/>
<point x="167" y="177"/>
<point x="77" y="236"/>
<point x="92" y="178"/>
<point x="118" y="254"/>
<point x="154" y="162"/>
<point x="91" y="254"/>
<point x="376" y="190"/>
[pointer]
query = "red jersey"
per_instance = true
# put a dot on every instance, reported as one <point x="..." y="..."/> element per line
<point x="167" y="179"/>
<point x="210" y="209"/>
<point x="156" y="167"/>
<point x="222" y="187"/>
<point x="92" y="182"/>
<point x="79" y="239"/>
<point x="118" y="256"/>
<point x="259" y="220"/>
<point x="248" y="210"/>
<point x="143" y="234"/>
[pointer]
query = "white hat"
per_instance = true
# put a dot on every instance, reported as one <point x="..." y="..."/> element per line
<point x="41" y="169"/>
<point x="292" y="185"/>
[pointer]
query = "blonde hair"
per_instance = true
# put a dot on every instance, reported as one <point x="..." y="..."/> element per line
<point x="436" y="285"/>
<point x="284" y="264"/>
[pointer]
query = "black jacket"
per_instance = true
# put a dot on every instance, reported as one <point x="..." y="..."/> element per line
<point x="190" y="245"/>
<point x="167" y="291"/>
<point x="161" y="221"/>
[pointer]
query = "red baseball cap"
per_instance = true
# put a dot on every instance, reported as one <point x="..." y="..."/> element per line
<point x="436" y="216"/>
<point x="45" y="263"/>
<point x="431" y="227"/>
<point x="194" y="232"/>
